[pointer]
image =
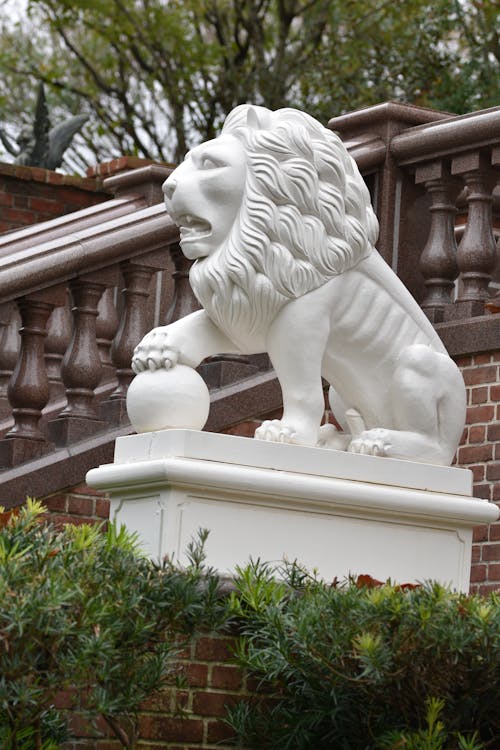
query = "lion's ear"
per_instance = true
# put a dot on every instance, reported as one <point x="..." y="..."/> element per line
<point x="258" y="118"/>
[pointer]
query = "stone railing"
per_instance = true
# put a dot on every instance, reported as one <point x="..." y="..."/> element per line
<point x="435" y="189"/>
<point x="64" y="376"/>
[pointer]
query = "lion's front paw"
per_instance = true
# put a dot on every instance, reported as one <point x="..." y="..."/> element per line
<point x="374" y="442"/>
<point x="275" y="431"/>
<point x="156" y="350"/>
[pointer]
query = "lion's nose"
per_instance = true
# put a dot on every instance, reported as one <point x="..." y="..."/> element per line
<point x="169" y="188"/>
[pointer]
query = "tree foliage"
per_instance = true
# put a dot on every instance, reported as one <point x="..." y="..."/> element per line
<point x="157" y="76"/>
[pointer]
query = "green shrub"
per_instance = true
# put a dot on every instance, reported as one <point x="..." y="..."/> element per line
<point x="81" y="609"/>
<point x="358" y="667"/>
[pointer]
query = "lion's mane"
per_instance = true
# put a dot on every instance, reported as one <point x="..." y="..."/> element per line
<point x="305" y="217"/>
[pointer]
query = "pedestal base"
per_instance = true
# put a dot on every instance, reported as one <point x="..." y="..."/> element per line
<point x="336" y="512"/>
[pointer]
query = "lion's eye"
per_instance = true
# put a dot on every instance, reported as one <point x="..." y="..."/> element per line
<point x="208" y="163"/>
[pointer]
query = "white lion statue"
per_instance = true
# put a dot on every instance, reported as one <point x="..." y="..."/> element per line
<point x="279" y="220"/>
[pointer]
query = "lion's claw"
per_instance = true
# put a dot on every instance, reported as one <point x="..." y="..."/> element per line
<point x="371" y="442"/>
<point x="154" y="352"/>
<point x="275" y="431"/>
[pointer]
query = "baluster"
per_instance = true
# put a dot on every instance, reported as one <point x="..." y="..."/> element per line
<point x="183" y="301"/>
<point x="10" y="344"/>
<point x="106" y="328"/>
<point x="28" y="390"/>
<point x="56" y="344"/>
<point x="133" y="326"/>
<point x="438" y="262"/>
<point x="81" y="368"/>
<point x="476" y="255"/>
<point x="137" y="280"/>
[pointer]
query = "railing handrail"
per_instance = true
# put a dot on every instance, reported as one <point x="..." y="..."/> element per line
<point x="35" y="234"/>
<point x="34" y="267"/>
<point x="447" y="137"/>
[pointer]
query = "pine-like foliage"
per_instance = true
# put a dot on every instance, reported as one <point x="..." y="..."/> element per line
<point x="363" y="666"/>
<point x="83" y="611"/>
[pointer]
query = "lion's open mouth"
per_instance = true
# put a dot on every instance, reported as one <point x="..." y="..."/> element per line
<point x="192" y="227"/>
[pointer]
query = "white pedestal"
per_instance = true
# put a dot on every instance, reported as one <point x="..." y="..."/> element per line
<point x="337" y="512"/>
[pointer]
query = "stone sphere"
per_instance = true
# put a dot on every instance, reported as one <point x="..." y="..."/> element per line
<point x="168" y="399"/>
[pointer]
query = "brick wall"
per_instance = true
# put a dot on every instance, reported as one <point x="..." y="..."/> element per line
<point x="181" y="718"/>
<point x="79" y="504"/>
<point x="480" y="452"/>
<point x="29" y="195"/>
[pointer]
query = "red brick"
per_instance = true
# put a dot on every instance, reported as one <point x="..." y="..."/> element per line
<point x="465" y="436"/>
<point x="56" y="503"/>
<point x="495" y="532"/>
<point x="488" y="588"/>
<point x="182" y="702"/>
<point x="478" y="573"/>
<point x="217" y="732"/>
<point x="477" y="472"/>
<point x="464" y="361"/>
<point x="493" y="471"/>
<point x="477" y="414"/>
<point x="471" y="454"/>
<point x="44" y="204"/>
<point x="479" y="375"/>
<point x="494" y="572"/>
<point x="82" y="506"/>
<point x="480" y="533"/>
<point x="213" y="649"/>
<point x="196" y="674"/>
<point x="228" y="677"/>
<point x="482" y="359"/>
<point x="212" y="704"/>
<point x="84" y="489"/>
<point x="483" y="491"/>
<point x="496" y="492"/>
<point x="476" y="553"/>
<point x="102" y="507"/>
<point x="81" y="726"/>
<point x="494" y="432"/>
<point x="6" y="199"/>
<point x="495" y="393"/>
<point x="65" y="699"/>
<point x="477" y="434"/>
<point x="169" y="729"/>
<point x="490" y="552"/>
<point x="18" y="215"/>
<point x="163" y="700"/>
<point x="479" y="395"/>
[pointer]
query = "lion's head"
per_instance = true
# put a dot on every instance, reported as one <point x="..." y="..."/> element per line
<point x="302" y="216"/>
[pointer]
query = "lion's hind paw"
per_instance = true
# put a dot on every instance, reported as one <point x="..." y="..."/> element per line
<point x="374" y="442"/>
<point x="275" y="431"/>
